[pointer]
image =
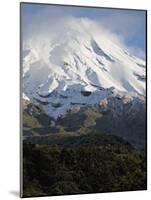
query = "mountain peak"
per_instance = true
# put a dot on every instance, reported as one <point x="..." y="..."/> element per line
<point x="58" y="70"/>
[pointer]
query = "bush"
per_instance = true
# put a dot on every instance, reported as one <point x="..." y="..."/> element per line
<point x="85" y="169"/>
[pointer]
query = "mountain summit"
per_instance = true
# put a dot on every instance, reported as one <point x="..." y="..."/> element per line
<point x="81" y="65"/>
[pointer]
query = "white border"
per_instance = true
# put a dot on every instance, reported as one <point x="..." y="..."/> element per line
<point x="9" y="98"/>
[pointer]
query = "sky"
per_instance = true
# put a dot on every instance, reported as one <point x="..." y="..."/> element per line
<point x="128" y="25"/>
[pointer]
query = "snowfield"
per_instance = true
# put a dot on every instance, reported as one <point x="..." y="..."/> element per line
<point x="81" y="65"/>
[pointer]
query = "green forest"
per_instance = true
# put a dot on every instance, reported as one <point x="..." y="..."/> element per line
<point x="88" y="164"/>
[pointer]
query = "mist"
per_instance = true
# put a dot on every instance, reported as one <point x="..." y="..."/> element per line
<point x="56" y="24"/>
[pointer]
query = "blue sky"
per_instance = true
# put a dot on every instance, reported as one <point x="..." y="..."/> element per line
<point x="128" y="24"/>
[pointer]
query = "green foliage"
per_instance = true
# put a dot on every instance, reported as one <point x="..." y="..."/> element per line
<point x="88" y="119"/>
<point x="36" y="122"/>
<point x="110" y="165"/>
<point x="74" y="156"/>
<point x="72" y="121"/>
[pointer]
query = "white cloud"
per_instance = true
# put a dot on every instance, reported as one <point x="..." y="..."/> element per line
<point x="54" y="23"/>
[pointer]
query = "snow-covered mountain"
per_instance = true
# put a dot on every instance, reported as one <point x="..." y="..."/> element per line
<point x="81" y="65"/>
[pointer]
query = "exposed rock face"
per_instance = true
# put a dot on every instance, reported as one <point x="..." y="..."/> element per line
<point x="25" y="102"/>
<point x="103" y="104"/>
<point x="124" y="116"/>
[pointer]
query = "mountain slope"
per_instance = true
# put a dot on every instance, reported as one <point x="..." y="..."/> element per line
<point x="81" y="67"/>
<point x="116" y="116"/>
